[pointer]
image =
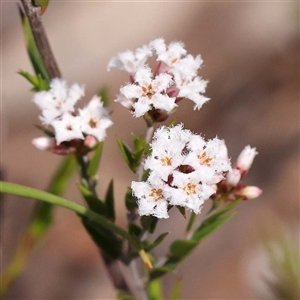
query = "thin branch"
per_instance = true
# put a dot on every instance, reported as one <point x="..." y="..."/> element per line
<point x="33" y="14"/>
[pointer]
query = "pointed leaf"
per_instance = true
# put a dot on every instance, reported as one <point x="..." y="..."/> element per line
<point x="39" y="84"/>
<point x="156" y="242"/>
<point x="134" y="229"/>
<point x="95" y="161"/>
<point x="110" y="201"/>
<point x="149" y="223"/>
<point x="94" y="203"/>
<point x="159" y="272"/>
<point x="127" y="155"/>
<point x="208" y="227"/>
<point x="130" y="201"/>
<point x="181" y="210"/>
<point x="32" y="50"/>
<point x="105" y="239"/>
<point x="46" y="131"/>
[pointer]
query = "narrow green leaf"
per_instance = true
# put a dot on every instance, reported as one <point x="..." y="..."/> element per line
<point x="159" y="272"/>
<point x="134" y="229"/>
<point x="155" y="290"/>
<point x="95" y="161"/>
<point x="175" y="293"/>
<point x="27" y="192"/>
<point x="103" y="94"/>
<point x="130" y="201"/>
<point x="110" y="201"/>
<point x="94" y="203"/>
<point x="32" y="50"/>
<point x="208" y="227"/>
<point x="149" y="223"/>
<point x="105" y="239"/>
<point x="39" y="223"/>
<point x="157" y="241"/>
<point x="39" y="84"/>
<point x="46" y="131"/>
<point x="181" y="248"/>
<point x="127" y="155"/>
<point x="191" y="222"/>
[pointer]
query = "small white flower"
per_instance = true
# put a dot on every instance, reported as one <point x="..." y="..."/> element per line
<point x="57" y="100"/>
<point x="183" y="167"/>
<point x="151" y="200"/>
<point x="95" y="119"/>
<point x="130" y="61"/>
<point x="149" y="92"/>
<point x="43" y="143"/>
<point x="67" y="128"/>
<point x="246" y="157"/>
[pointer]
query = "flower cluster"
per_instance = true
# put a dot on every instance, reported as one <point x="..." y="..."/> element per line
<point x="158" y="92"/>
<point x="57" y="109"/>
<point x="231" y="187"/>
<point x="183" y="167"/>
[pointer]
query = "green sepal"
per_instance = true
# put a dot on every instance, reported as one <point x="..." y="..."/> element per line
<point x="104" y="238"/>
<point x="155" y="290"/>
<point x="130" y="201"/>
<point x="46" y="131"/>
<point x="39" y="84"/>
<point x="145" y="175"/>
<point x="94" y="203"/>
<point x="156" y="242"/>
<point x="110" y="201"/>
<point x="103" y="94"/>
<point x="176" y="290"/>
<point x="32" y="50"/>
<point x="149" y="223"/>
<point x="134" y="229"/>
<point x="95" y="160"/>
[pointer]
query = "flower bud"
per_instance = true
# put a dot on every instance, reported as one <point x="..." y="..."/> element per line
<point x="249" y="192"/>
<point x="233" y="177"/>
<point x="90" y="141"/>
<point x="43" y="143"/>
<point x="245" y="159"/>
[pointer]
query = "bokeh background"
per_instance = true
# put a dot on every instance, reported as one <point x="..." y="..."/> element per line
<point x="251" y="57"/>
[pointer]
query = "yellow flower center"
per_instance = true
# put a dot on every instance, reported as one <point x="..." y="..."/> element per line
<point x="204" y="159"/>
<point x="190" y="189"/>
<point x="166" y="161"/>
<point x="148" y="91"/>
<point x="93" y="123"/>
<point x="156" y="194"/>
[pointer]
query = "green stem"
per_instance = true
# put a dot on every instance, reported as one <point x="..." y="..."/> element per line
<point x="19" y="190"/>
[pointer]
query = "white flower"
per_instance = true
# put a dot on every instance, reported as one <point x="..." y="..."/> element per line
<point x="169" y="55"/>
<point x="130" y="61"/>
<point x="183" y="167"/>
<point x="67" y="128"/>
<point x="57" y="100"/>
<point x="246" y="157"/>
<point x="233" y="177"/>
<point x="189" y="193"/>
<point x="43" y="143"/>
<point x="151" y="200"/>
<point x="149" y="92"/>
<point x="95" y="119"/>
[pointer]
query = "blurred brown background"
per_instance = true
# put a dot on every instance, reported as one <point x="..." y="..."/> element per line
<point x="251" y="58"/>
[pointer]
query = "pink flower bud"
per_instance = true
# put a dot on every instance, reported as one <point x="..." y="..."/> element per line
<point x="90" y="141"/>
<point x="246" y="157"/>
<point x="249" y="192"/>
<point x="43" y="143"/>
<point x="233" y="177"/>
